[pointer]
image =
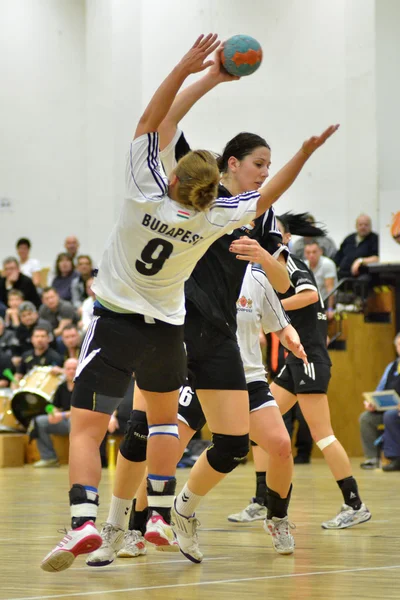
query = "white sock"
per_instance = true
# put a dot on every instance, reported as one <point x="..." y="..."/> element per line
<point x="186" y="502"/>
<point x="119" y="510"/>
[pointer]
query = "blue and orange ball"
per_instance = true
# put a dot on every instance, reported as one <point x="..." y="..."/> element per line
<point x="242" y="55"/>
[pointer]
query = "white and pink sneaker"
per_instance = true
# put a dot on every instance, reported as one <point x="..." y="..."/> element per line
<point x="82" y="540"/>
<point x="159" y="533"/>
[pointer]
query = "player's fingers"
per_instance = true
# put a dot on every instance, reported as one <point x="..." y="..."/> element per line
<point x="208" y="41"/>
<point x="197" y="42"/>
<point x="244" y="257"/>
<point x="210" y="49"/>
<point x="207" y="64"/>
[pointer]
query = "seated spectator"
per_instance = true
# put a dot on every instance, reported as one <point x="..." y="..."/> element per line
<point x="14" y="279"/>
<point x="6" y="367"/>
<point x="326" y="243"/>
<point x="357" y="250"/>
<point x="40" y="356"/>
<point x="14" y="300"/>
<point x="84" y="269"/>
<point x="87" y="306"/>
<point x="8" y="340"/>
<point x="65" y="274"/>
<point x="391" y="439"/>
<point x="71" y="245"/>
<point x="71" y="342"/>
<point x="57" y="422"/>
<point x="324" y="270"/>
<point x="30" y="319"/>
<point x="57" y="312"/>
<point x="28" y="266"/>
<point x="371" y="418"/>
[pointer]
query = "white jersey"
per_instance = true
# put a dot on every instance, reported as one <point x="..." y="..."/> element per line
<point x="156" y="242"/>
<point x="258" y="306"/>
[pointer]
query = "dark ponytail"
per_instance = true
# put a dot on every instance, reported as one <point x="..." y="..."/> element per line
<point x="299" y="224"/>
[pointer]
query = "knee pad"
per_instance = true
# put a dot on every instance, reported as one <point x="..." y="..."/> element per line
<point x="227" y="451"/>
<point x="325" y="442"/>
<point x="134" y="445"/>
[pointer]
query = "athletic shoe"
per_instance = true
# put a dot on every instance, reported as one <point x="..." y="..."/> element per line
<point x="370" y="463"/>
<point x="282" y="539"/>
<point x="113" y="538"/>
<point x="134" y="545"/>
<point x="347" y="517"/>
<point x="160" y="534"/>
<point x="185" y="529"/>
<point x="82" y="540"/>
<point x="252" y="512"/>
<point x="46" y="463"/>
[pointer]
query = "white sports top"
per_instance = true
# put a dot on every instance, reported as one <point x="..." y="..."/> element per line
<point x="258" y="306"/>
<point x="156" y="242"/>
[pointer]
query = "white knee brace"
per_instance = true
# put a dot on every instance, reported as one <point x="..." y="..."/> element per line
<point x="325" y="442"/>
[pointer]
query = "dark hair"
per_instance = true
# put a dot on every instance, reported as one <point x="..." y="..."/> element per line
<point x="23" y="242"/>
<point x="85" y="256"/>
<point x="40" y="328"/>
<point x="240" y="146"/>
<point x="299" y="224"/>
<point x="60" y="257"/>
<point x="69" y="327"/>
<point x="312" y="242"/>
<point x="49" y="289"/>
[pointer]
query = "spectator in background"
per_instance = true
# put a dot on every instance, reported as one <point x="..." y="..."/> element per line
<point x="14" y="279"/>
<point x="57" y="422"/>
<point x="358" y="249"/>
<point x="5" y="366"/>
<point x="370" y="419"/>
<point x="84" y="269"/>
<point x="324" y="270"/>
<point x="14" y="300"/>
<point x="41" y="355"/>
<point x="71" y="342"/>
<point x="8" y="340"/>
<point x="65" y="274"/>
<point x="87" y="306"/>
<point x="29" y="319"/>
<point x="71" y="245"/>
<point x="326" y="243"/>
<point x="57" y="312"/>
<point x="28" y="266"/>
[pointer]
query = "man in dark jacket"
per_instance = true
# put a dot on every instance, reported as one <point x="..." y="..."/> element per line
<point x="357" y="249"/>
<point x="14" y="280"/>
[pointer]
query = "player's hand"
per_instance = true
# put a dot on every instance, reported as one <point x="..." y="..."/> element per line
<point x="248" y="249"/>
<point x="217" y="70"/>
<point x="296" y="347"/>
<point x="316" y="141"/>
<point x="195" y="60"/>
<point x="355" y="267"/>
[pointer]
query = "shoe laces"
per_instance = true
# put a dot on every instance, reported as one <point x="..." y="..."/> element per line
<point x="284" y="524"/>
<point x="67" y="537"/>
<point x="132" y="536"/>
<point x="107" y="532"/>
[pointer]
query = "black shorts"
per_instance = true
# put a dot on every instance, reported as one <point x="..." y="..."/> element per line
<point x="189" y="409"/>
<point x="260" y="395"/>
<point x="214" y="359"/>
<point x="298" y="378"/>
<point x="191" y="412"/>
<point x="117" y="345"/>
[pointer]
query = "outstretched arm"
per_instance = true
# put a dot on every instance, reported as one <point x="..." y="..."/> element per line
<point x="193" y="62"/>
<point x="287" y="175"/>
<point x="189" y="96"/>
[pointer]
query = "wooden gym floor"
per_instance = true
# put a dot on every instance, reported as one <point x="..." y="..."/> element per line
<point x="361" y="562"/>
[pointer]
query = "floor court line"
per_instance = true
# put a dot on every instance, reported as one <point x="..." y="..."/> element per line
<point x="200" y="583"/>
<point x="144" y="564"/>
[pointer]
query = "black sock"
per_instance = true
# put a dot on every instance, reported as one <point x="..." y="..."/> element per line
<point x="349" y="489"/>
<point x="277" y="506"/>
<point x="261" y="487"/>
<point x="138" y="519"/>
<point x="81" y="496"/>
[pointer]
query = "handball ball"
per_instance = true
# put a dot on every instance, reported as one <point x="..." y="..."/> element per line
<point x="241" y="55"/>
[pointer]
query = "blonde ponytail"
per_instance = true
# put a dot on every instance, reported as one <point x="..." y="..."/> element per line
<point x="198" y="177"/>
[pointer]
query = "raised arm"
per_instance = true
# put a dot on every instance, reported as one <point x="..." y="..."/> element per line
<point x="189" y="96"/>
<point x="194" y="61"/>
<point x="287" y="175"/>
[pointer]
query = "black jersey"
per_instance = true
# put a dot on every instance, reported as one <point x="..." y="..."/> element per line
<point x="215" y="283"/>
<point x="310" y="322"/>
